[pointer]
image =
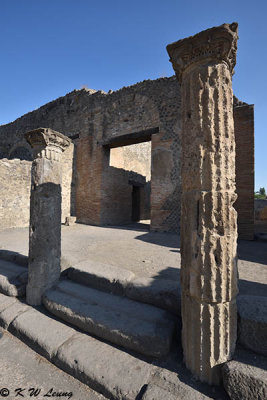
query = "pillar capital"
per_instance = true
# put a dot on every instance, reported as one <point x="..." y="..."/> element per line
<point x="42" y="138"/>
<point x="215" y="44"/>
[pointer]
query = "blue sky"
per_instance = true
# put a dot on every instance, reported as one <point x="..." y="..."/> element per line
<point x="50" y="47"/>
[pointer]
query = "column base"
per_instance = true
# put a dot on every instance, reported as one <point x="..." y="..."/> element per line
<point x="209" y="336"/>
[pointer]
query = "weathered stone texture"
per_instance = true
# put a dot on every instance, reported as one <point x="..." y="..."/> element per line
<point x="45" y="211"/>
<point x="136" y="157"/>
<point x="203" y="64"/>
<point x="244" y="137"/>
<point x="14" y="193"/>
<point x="15" y="183"/>
<point x="67" y="184"/>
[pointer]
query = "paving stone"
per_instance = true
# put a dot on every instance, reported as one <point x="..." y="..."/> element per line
<point x="163" y="293"/>
<point x="41" y="332"/>
<point x="12" y="312"/>
<point x="245" y="377"/>
<point x="253" y="323"/>
<point x="101" y="276"/>
<point x="136" y="326"/>
<point x="108" y="370"/>
<point x="12" y="279"/>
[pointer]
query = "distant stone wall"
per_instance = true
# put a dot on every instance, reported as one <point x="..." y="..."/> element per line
<point x="244" y="137"/>
<point x="68" y="183"/>
<point x="136" y="157"/>
<point x="15" y="183"/>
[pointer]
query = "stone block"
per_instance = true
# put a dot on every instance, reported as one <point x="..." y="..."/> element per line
<point x="133" y="325"/>
<point x="11" y="312"/>
<point x="245" y="377"/>
<point x="41" y="332"/>
<point x="252" y="325"/>
<point x="162" y="293"/>
<point x="101" y="276"/>
<point x="106" y="369"/>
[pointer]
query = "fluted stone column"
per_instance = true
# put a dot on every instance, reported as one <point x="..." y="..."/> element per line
<point x="204" y="66"/>
<point x="45" y="211"/>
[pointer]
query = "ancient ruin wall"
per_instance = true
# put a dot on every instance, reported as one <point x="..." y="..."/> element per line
<point x="68" y="187"/>
<point x="15" y="182"/>
<point x="98" y="117"/>
<point x="136" y="157"/>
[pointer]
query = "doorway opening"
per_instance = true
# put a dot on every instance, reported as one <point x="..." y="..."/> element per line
<point x="136" y="204"/>
<point x="131" y="167"/>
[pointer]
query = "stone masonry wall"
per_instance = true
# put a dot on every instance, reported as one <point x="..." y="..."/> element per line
<point x="68" y="187"/>
<point x="15" y="182"/>
<point x="136" y="157"/>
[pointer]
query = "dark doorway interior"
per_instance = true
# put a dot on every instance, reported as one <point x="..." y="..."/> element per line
<point x="136" y="203"/>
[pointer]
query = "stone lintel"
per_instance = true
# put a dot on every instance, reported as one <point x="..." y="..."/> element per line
<point x="41" y="138"/>
<point x="214" y="44"/>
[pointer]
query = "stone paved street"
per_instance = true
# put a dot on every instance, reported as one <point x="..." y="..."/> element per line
<point x="24" y="372"/>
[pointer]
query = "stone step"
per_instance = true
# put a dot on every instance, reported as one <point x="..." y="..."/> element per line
<point x="252" y="324"/>
<point x="245" y="377"/>
<point x="13" y="279"/>
<point x="109" y="370"/>
<point x="162" y="293"/>
<point x="16" y="258"/>
<point x="140" y="327"/>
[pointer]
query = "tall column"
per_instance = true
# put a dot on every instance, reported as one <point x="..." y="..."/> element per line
<point x="204" y="66"/>
<point x="45" y="211"/>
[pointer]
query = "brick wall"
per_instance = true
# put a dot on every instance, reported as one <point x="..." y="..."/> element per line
<point x="244" y="135"/>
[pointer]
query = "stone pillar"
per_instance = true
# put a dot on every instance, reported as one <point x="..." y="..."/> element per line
<point x="45" y="211"/>
<point x="204" y="66"/>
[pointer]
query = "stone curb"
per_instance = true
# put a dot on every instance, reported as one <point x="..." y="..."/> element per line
<point x="106" y="369"/>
